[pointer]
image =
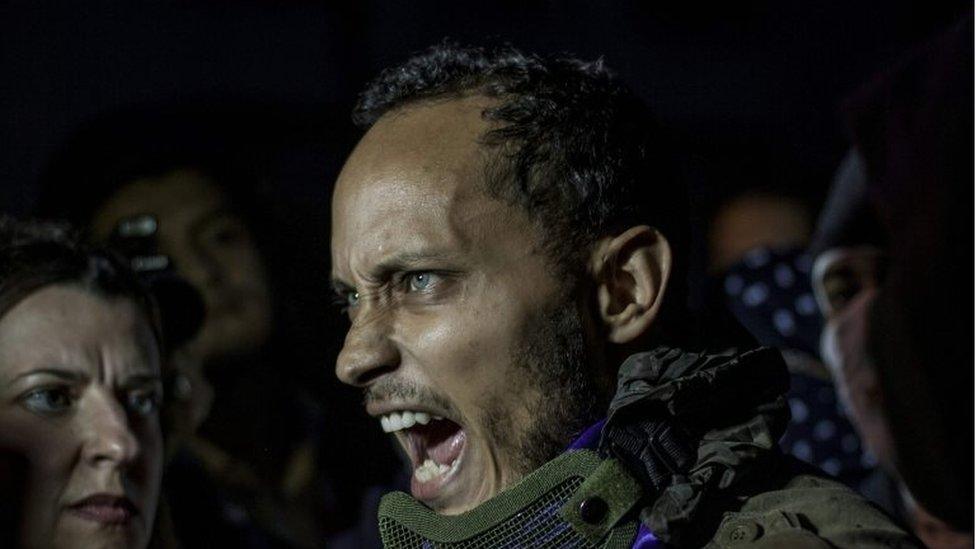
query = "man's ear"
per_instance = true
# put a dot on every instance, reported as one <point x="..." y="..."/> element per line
<point x="631" y="272"/>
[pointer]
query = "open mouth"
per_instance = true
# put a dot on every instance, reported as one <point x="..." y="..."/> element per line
<point x="434" y="444"/>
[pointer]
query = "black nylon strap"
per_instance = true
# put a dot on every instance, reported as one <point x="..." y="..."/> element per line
<point x="654" y="450"/>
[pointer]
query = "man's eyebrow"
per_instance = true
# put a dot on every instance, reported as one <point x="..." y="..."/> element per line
<point x="838" y="271"/>
<point x="339" y="287"/>
<point x="210" y="216"/>
<point x="398" y="262"/>
<point x="411" y="260"/>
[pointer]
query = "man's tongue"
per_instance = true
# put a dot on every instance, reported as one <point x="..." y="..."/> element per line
<point x="439" y="446"/>
<point x="444" y="441"/>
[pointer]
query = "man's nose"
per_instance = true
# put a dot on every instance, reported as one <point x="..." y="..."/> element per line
<point x="198" y="264"/>
<point x="109" y="440"/>
<point x="367" y="352"/>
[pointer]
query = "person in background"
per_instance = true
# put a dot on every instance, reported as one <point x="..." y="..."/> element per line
<point x="266" y="463"/>
<point x="761" y="273"/>
<point x="80" y="391"/>
<point x="847" y="274"/>
<point x="756" y="218"/>
<point x="254" y="437"/>
<point x="893" y="276"/>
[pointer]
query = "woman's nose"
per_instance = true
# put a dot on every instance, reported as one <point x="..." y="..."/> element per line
<point x="109" y="438"/>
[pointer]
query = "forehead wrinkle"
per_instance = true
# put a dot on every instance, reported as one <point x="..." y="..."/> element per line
<point x="416" y="171"/>
<point x="18" y="326"/>
<point x="129" y="347"/>
<point x="128" y="357"/>
<point x="399" y="225"/>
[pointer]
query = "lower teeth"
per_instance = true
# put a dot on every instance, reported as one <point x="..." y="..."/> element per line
<point x="429" y="469"/>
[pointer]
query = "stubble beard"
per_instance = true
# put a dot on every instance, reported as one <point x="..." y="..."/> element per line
<point x="562" y="395"/>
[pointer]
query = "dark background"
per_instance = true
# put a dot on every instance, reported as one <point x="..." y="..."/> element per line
<point x="750" y="78"/>
<point x="752" y="88"/>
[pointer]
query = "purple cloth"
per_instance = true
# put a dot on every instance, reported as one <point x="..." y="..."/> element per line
<point x="645" y="539"/>
<point x="589" y="439"/>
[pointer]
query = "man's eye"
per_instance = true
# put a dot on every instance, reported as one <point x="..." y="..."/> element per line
<point x="840" y="291"/>
<point x="345" y="300"/>
<point x="223" y="232"/>
<point x="419" y="282"/>
<point x="226" y="236"/>
<point x="48" y="401"/>
<point x="143" y="403"/>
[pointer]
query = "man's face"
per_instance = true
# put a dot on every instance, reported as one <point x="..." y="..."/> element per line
<point x="211" y="247"/>
<point x="845" y="281"/>
<point x="468" y="345"/>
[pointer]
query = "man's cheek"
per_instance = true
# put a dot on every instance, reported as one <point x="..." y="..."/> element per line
<point x="449" y="347"/>
<point x="830" y="352"/>
<point x="842" y="351"/>
<point x="844" y="340"/>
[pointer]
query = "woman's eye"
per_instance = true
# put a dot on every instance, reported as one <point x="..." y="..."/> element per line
<point x="421" y="281"/>
<point x="144" y="403"/>
<point x="47" y="401"/>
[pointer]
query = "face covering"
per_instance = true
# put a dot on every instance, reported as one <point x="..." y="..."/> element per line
<point x="769" y="292"/>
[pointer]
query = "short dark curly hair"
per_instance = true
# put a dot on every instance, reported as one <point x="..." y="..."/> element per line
<point x="36" y="254"/>
<point x="577" y="150"/>
<point x="572" y="146"/>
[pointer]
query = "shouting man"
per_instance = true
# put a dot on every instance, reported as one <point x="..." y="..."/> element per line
<point x="507" y="240"/>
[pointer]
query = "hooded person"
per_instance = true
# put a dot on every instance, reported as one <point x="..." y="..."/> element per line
<point x="893" y="263"/>
<point x="508" y="243"/>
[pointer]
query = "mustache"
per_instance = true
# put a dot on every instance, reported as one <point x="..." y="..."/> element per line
<point x="395" y="389"/>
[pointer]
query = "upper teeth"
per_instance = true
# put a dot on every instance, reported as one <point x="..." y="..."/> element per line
<point x="396" y="421"/>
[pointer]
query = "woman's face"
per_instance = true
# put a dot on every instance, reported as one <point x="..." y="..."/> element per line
<point x="79" y="394"/>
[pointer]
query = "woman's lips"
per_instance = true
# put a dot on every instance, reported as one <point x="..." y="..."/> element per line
<point x="104" y="509"/>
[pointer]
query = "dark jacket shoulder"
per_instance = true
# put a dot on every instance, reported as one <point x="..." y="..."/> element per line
<point x="809" y="511"/>
<point x="699" y="431"/>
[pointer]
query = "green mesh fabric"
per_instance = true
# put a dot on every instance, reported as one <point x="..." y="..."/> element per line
<point x="538" y="525"/>
<point x="526" y="515"/>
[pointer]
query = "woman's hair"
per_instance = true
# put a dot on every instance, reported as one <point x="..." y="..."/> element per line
<point x="35" y="254"/>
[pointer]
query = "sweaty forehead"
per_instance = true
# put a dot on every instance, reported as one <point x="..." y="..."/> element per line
<point x="414" y="179"/>
<point x="426" y="143"/>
